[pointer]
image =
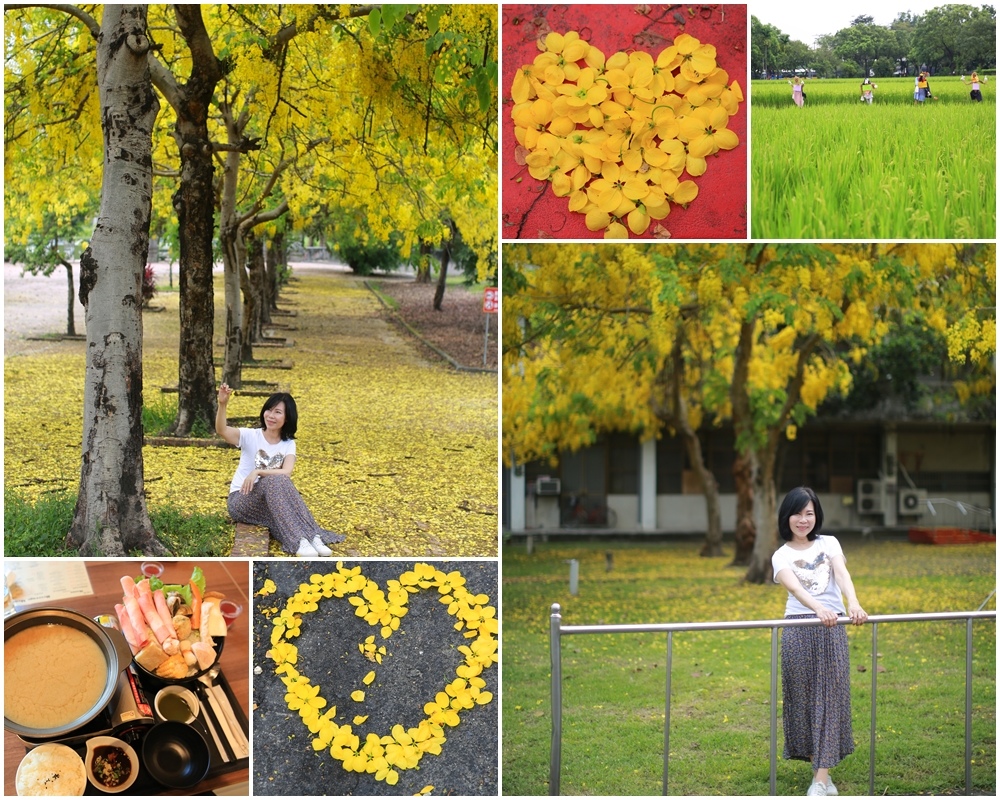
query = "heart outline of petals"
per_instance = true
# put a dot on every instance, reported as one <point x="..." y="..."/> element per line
<point x="384" y="756"/>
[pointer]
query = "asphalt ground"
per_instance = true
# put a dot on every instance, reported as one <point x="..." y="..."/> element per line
<point x="421" y="660"/>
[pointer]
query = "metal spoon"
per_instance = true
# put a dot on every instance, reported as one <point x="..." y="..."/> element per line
<point x="223" y="711"/>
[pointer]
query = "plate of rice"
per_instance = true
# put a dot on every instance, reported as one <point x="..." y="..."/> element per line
<point x="51" y="769"/>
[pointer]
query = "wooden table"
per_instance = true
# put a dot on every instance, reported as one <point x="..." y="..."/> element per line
<point x="232" y="578"/>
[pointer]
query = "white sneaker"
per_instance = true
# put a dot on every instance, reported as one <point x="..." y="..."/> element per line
<point x="321" y="549"/>
<point x="816" y="790"/>
<point x="831" y="790"/>
<point x="306" y="550"/>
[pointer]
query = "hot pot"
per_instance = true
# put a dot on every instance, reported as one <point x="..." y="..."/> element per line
<point x="113" y="646"/>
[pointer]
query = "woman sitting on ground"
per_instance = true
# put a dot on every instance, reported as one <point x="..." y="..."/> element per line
<point x="261" y="492"/>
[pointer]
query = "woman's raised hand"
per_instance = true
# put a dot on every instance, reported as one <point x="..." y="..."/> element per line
<point x="225" y="393"/>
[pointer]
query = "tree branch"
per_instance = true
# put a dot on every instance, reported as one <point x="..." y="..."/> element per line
<point x="74" y="11"/>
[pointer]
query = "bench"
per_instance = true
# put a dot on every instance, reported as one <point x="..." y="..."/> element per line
<point x="251" y="541"/>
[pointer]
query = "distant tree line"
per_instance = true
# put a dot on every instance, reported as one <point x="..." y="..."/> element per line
<point x="947" y="39"/>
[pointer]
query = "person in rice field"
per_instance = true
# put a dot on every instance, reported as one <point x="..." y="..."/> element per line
<point x="867" y="91"/>
<point x="815" y="662"/>
<point x="975" y="93"/>
<point x="798" y="91"/>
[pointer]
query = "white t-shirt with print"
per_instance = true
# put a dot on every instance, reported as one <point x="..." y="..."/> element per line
<point x="258" y="453"/>
<point x="814" y="569"/>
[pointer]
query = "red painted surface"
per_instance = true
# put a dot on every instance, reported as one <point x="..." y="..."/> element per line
<point x="530" y="210"/>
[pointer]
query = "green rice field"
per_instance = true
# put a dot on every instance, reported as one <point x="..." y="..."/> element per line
<point x="841" y="169"/>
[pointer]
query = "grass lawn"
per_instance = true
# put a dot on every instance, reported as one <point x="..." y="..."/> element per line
<point x="613" y="685"/>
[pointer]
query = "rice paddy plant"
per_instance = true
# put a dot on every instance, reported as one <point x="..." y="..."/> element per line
<point x="948" y="89"/>
<point x="841" y="169"/>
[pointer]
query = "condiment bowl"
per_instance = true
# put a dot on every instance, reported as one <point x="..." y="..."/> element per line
<point x="175" y="755"/>
<point x="162" y="703"/>
<point x="100" y="747"/>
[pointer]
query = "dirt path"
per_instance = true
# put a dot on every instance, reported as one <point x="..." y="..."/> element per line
<point x="35" y="305"/>
<point x="396" y="448"/>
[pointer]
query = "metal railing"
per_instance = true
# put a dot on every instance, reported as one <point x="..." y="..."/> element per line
<point x="557" y="630"/>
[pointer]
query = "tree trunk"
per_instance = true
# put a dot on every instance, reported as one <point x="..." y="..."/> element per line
<point x="442" y="280"/>
<point x="232" y="267"/>
<point x="232" y="261"/>
<point x="253" y="294"/>
<point x="765" y="517"/>
<point x="277" y="259"/>
<point x="674" y="414"/>
<point x="111" y="518"/>
<point x="251" y="279"/>
<point x="424" y="264"/>
<point x="710" y="487"/>
<point x="267" y="299"/>
<point x="194" y="202"/>
<point x="745" y="531"/>
<point x="232" y="363"/>
<point x="70" y="316"/>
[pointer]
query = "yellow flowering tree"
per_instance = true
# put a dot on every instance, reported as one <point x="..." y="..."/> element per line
<point x="764" y="333"/>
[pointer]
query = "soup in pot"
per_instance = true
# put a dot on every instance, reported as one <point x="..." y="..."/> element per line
<point x="53" y="674"/>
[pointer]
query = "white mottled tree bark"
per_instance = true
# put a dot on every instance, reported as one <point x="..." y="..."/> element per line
<point x="111" y="517"/>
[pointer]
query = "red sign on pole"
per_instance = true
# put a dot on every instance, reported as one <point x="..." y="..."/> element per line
<point x="491" y="300"/>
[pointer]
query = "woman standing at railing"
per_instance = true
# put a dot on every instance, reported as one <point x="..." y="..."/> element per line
<point x="815" y="666"/>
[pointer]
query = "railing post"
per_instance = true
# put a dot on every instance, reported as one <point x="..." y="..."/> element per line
<point x="774" y="710"/>
<point x="968" y="706"/>
<point x="666" y="714"/>
<point x="871" y="742"/>
<point x="555" y="653"/>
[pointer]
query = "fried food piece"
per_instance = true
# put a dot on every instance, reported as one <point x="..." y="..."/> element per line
<point x="151" y="656"/>
<point x="182" y="625"/>
<point x="173" y="667"/>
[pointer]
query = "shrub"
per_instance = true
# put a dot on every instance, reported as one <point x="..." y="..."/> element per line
<point x="365" y="254"/>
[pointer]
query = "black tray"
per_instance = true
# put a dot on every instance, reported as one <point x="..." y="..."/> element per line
<point x="144" y="783"/>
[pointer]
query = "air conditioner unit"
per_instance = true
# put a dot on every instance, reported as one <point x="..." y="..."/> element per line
<point x="912" y="502"/>
<point x="870" y="496"/>
<point x="547" y="486"/>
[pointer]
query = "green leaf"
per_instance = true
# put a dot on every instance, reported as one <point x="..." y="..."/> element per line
<point x="391" y="13"/>
<point x="433" y="43"/>
<point x="434" y="17"/>
<point x="375" y="21"/>
<point x="483" y="89"/>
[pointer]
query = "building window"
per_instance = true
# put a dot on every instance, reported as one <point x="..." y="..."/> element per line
<point x="623" y="469"/>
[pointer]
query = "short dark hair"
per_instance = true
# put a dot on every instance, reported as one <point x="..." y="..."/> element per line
<point x="291" y="413"/>
<point x="794" y="502"/>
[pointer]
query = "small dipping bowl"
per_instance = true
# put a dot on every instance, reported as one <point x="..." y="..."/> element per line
<point x="175" y="755"/>
<point x="176" y="704"/>
<point x="152" y="569"/>
<point x="101" y="746"/>
<point x="230" y="611"/>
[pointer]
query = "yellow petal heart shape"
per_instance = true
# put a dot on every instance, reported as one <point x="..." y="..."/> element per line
<point x="574" y="109"/>
<point x="386" y="755"/>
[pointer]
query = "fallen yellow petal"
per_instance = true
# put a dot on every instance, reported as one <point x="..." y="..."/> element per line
<point x="358" y="696"/>
<point x="369" y="678"/>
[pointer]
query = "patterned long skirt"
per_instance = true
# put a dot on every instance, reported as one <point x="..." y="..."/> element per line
<point x="816" y="690"/>
<point x="277" y="505"/>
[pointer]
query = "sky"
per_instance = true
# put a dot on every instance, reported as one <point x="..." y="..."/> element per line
<point x="806" y="21"/>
